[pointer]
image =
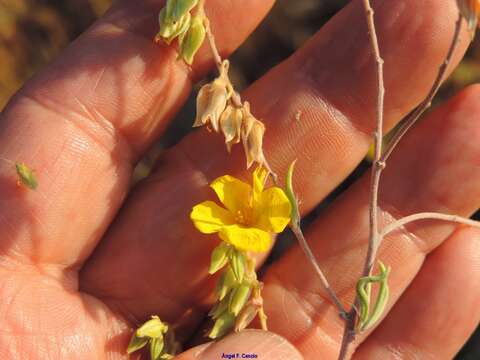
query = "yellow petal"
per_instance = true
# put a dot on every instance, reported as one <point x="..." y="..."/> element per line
<point x="247" y="239"/>
<point x="259" y="178"/>
<point x="209" y="218"/>
<point x="273" y="210"/>
<point x="232" y="192"/>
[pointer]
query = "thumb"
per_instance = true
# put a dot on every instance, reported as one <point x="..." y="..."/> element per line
<point x="248" y="344"/>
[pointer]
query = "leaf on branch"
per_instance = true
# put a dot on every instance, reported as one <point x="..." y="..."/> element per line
<point x="368" y="318"/>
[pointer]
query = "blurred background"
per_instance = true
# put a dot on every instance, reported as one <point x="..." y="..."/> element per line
<point x="32" y="32"/>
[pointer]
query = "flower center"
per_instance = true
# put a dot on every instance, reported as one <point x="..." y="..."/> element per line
<point x="243" y="217"/>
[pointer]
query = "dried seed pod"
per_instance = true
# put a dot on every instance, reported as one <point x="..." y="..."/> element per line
<point x="252" y="138"/>
<point x="231" y="125"/>
<point x="212" y="100"/>
<point x="246" y="316"/>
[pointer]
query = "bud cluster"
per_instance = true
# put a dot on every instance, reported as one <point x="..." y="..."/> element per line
<point x="217" y="110"/>
<point x="237" y="293"/>
<point x="159" y="338"/>
<point x="177" y="22"/>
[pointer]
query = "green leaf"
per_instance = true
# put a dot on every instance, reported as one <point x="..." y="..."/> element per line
<point x="366" y="318"/>
<point x="26" y="176"/>
<point x="136" y="343"/>
<point x="295" y="216"/>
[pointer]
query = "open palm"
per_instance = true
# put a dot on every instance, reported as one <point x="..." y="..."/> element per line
<point x="84" y="259"/>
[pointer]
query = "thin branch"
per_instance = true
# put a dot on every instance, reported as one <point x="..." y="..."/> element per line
<point x="297" y="231"/>
<point x="377" y="167"/>
<point x="413" y="117"/>
<point x="427" y="216"/>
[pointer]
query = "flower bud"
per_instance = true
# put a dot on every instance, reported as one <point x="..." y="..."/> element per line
<point x="219" y="258"/>
<point x="222" y="325"/>
<point x="193" y="40"/>
<point x="153" y="328"/>
<point x="231" y="125"/>
<point x="226" y="282"/>
<point x="176" y="9"/>
<point x="219" y="308"/>
<point x="136" y="343"/>
<point x="156" y="348"/>
<point x="171" y="30"/>
<point x="237" y="261"/>
<point x="240" y="297"/>
<point x="212" y="100"/>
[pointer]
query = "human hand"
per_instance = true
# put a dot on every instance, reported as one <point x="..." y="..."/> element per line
<point x="71" y="289"/>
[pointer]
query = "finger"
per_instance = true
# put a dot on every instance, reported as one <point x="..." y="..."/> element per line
<point x="84" y="121"/>
<point x="439" y="310"/>
<point x="154" y="227"/>
<point x="435" y="169"/>
<point x="249" y="344"/>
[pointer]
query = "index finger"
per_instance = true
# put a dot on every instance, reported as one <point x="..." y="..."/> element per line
<point x="84" y="121"/>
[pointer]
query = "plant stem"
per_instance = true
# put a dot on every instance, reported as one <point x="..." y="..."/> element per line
<point x="427" y="216"/>
<point x="377" y="168"/>
<point x="425" y="104"/>
<point x="375" y="238"/>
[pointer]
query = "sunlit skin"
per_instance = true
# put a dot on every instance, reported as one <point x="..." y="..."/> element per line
<point x="83" y="258"/>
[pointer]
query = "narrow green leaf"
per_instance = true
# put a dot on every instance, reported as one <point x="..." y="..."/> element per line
<point x="291" y="194"/>
<point x="382" y="298"/>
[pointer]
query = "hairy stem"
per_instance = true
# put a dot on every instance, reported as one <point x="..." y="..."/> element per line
<point x="377" y="167"/>
<point x="427" y="216"/>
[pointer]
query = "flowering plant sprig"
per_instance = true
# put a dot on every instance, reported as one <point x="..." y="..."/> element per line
<point x="246" y="222"/>
<point x="159" y="338"/>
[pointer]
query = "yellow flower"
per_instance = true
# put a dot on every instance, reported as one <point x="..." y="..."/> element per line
<point x="249" y="215"/>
